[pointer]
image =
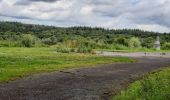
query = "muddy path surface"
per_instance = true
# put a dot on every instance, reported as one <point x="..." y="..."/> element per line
<point x="97" y="83"/>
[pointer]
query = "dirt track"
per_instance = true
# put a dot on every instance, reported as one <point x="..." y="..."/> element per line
<point x="80" y="84"/>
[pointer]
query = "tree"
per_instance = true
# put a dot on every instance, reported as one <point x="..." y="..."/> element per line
<point x="13" y="31"/>
<point x="134" y="43"/>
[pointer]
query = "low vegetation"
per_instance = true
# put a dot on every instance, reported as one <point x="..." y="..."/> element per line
<point x="17" y="62"/>
<point x="155" y="86"/>
<point x="166" y="46"/>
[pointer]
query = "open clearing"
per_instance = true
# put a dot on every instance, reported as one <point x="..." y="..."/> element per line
<point x="18" y="62"/>
<point x="98" y="83"/>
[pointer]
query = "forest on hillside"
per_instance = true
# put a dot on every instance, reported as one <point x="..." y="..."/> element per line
<point x="15" y="34"/>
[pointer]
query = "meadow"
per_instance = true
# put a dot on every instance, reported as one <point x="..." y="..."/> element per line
<point x="155" y="86"/>
<point x="17" y="62"/>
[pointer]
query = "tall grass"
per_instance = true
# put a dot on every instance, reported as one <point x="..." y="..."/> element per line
<point x="152" y="87"/>
<point x="9" y="43"/>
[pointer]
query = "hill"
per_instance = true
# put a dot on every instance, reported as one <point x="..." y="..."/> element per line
<point x="51" y="35"/>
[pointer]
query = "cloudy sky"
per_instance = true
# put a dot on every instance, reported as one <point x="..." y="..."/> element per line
<point x="152" y="15"/>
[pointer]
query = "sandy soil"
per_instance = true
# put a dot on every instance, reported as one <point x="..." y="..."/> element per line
<point x="97" y="83"/>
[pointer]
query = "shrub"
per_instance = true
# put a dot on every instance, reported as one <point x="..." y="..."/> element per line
<point x="65" y="49"/>
<point x="134" y="43"/>
<point x="121" y="41"/>
<point x="84" y="50"/>
<point x="29" y="40"/>
<point x="46" y="41"/>
<point x="166" y="46"/>
<point x="148" y="42"/>
<point x="88" y="43"/>
<point x="9" y="43"/>
<point x="119" y="47"/>
<point x="49" y="41"/>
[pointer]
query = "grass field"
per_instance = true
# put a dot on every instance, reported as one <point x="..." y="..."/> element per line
<point x="18" y="62"/>
<point x="155" y="86"/>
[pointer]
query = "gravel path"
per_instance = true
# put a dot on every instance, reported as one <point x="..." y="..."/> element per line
<point x="136" y="54"/>
<point x="97" y="83"/>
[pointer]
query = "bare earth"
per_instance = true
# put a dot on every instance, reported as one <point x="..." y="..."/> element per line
<point x="97" y="83"/>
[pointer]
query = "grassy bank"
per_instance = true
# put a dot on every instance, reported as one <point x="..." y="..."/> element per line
<point x="17" y="62"/>
<point x="155" y="86"/>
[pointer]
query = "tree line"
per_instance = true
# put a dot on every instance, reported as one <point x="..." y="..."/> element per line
<point x="28" y="35"/>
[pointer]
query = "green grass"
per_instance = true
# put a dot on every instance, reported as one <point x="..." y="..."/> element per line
<point x="155" y="86"/>
<point x="18" y="62"/>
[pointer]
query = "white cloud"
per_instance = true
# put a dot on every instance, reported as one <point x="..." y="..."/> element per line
<point x="152" y="15"/>
<point x="86" y="10"/>
<point x="153" y="27"/>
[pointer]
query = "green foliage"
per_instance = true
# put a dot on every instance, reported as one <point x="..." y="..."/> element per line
<point x="17" y="62"/>
<point x="119" y="47"/>
<point x="148" y="42"/>
<point x="73" y="37"/>
<point x="50" y="41"/>
<point x="122" y="41"/>
<point x="153" y="87"/>
<point x="65" y="49"/>
<point x="9" y="43"/>
<point x="29" y="40"/>
<point x="166" y="46"/>
<point x="84" y="50"/>
<point x="134" y="43"/>
<point x="74" y="50"/>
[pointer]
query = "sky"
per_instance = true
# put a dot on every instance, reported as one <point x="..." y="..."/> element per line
<point x="149" y="15"/>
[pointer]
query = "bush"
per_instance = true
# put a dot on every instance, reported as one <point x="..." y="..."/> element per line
<point x="148" y="42"/>
<point x="166" y="46"/>
<point x="122" y="41"/>
<point x="134" y="43"/>
<point x="9" y="43"/>
<point x="50" y="41"/>
<point x="46" y="41"/>
<point x="65" y="49"/>
<point x="89" y="43"/>
<point x="29" y="40"/>
<point x="84" y="50"/>
<point x="118" y="47"/>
